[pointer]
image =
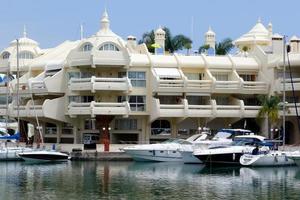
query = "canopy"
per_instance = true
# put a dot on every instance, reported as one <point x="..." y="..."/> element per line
<point x="167" y="72"/>
<point x="11" y="137"/>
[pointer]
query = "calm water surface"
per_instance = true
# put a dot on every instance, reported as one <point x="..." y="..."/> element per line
<point x="130" y="180"/>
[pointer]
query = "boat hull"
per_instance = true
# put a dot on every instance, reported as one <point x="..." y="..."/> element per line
<point x="44" y="156"/>
<point x="266" y="160"/>
<point x="221" y="159"/>
<point x="155" y="155"/>
<point x="189" y="158"/>
<point x="12" y="154"/>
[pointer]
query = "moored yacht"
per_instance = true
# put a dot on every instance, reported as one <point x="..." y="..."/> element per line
<point x="230" y="155"/>
<point x="44" y="156"/>
<point x="162" y="152"/>
<point x="223" y="137"/>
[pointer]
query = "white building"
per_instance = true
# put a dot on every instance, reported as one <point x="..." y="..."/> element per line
<point x="105" y="83"/>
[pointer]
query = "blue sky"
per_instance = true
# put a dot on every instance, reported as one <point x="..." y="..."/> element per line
<point x="51" y="22"/>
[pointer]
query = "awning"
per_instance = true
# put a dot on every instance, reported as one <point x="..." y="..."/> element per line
<point x="167" y="72"/>
<point x="54" y="65"/>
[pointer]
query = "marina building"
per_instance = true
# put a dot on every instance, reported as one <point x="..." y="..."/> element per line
<point x="105" y="84"/>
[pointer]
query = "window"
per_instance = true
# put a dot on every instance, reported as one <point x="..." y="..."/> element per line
<point x="50" y="128"/>
<point x="67" y="129"/>
<point x="87" y="47"/>
<point x="161" y="127"/>
<point x="26" y="55"/>
<point x="138" y="79"/>
<point x="126" y="124"/>
<point x="248" y="77"/>
<point x="137" y="103"/>
<point x="90" y="124"/>
<point x="194" y="76"/>
<point x="109" y="47"/>
<point x="221" y="100"/>
<point x="221" y="76"/>
<point x="74" y="75"/>
<point x="5" y="55"/>
<point x="81" y="99"/>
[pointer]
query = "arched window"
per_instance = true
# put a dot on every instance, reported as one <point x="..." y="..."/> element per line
<point x="87" y="47"/>
<point x="5" y="55"/>
<point x="109" y="47"/>
<point x="26" y="55"/>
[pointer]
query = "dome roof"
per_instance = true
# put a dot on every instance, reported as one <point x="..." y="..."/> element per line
<point x="210" y="31"/>
<point x="258" y="34"/>
<point x="24" y="41"/>
<point x="105" y="26"/>
<point x="160" y="31"/>
<point x="294" y="38"/>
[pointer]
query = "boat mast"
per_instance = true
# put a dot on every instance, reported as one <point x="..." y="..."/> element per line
<point x="18" y="76"/>
<point x="283" y="96"/>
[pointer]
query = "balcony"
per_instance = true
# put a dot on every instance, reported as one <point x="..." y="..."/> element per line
<point x="4" y="111"/>
<point x="79" y="58"/>
<point x="288" y="84"/>
<point x="255" y="87"/>
<point x="98" y="108"/>
<point x="4" y="90"/>
<point x="111" y="58"/>
<point x="4" y="65"/>
<point x="44" y="84"/>
<point x="212" y="110"/>
<point x="94" y="84"/>
<point x="50" y="108"/>
<point x="227" y="86"/>
<point x="291" y="110"/>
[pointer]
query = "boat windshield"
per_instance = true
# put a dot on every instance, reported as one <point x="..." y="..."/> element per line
<point x="246" y="141"/>
<point x="222" y="134"/>
<point x="176" y="141"/>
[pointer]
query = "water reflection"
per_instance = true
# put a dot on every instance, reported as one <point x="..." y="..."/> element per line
<point x="131" y="180"/>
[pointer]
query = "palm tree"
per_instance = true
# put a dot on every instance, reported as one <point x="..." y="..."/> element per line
<point x="223" y="48"/>
<point x="203" y="48"/>
<point x="269" y="109"/>
<point x="172" y="44"/>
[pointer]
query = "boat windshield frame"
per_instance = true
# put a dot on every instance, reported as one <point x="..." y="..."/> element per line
<point x="176" y="141"/>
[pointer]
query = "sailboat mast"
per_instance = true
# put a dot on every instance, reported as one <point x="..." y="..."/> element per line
<point x="18" y="76"/>
<point x="283" y="96"/>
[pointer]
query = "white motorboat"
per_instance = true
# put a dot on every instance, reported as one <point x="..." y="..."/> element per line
<point x="222" y="138"/>
<point x="162" y="152"/>
<point x="44" y="156"/>
<point x="271" y="158"/>
<point x="10" y="153"/>
<point x="230" y="155"/>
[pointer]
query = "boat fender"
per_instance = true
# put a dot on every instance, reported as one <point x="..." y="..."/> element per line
<point x="276" y="158"/>
<point x="233" y="156"/>
<point x="286" y="158"/>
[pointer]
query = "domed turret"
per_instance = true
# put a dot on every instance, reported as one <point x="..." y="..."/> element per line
<point x="210" y="38"/>
<point x="258" y="35"/>
<point x="160" y="37"/>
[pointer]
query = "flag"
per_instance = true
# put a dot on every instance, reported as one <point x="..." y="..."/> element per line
<point x="156" y="46"/>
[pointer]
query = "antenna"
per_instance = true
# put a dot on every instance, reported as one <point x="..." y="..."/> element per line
<point x="24" y="31"/>
<point x="192" y="28"/>
<point x="81" y="31"/>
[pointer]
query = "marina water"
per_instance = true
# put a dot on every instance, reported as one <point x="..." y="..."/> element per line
<point x="131" y="180"/>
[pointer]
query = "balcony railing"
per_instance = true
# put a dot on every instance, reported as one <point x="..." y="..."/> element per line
<point x="288" y="84"/>
<point x="97" y="84"/>
<point x="98" y="108"/>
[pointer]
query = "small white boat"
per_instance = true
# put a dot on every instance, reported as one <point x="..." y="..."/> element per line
<point x="12" y="153"/>
<point x="44" y="156"/>
<point x="272" y="158"/>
